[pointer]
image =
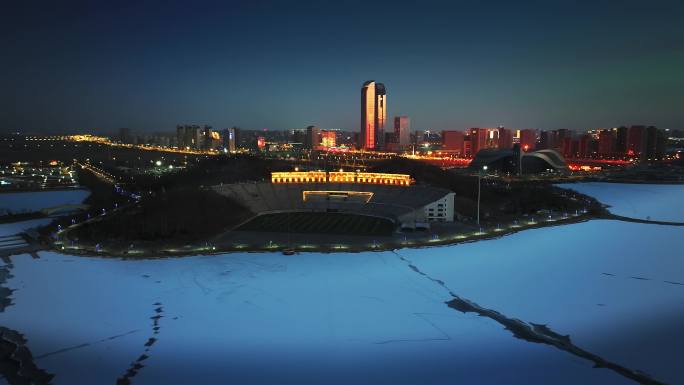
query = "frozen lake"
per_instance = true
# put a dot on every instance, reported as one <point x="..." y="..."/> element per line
<point x="263" y="319"/>
<point x="642" y="201"/>
<point x="33" y="201"/>
<point x="615" y="288"/>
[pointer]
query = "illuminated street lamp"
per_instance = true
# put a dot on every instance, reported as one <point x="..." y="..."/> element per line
<point x="479" y="178"/>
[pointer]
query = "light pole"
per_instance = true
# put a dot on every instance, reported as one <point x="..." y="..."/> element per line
<point x="479" y="177"/>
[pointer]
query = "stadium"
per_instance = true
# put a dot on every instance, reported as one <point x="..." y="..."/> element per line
<point x="352" y="203"/>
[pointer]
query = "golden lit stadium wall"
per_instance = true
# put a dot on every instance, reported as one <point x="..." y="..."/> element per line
<point x="298" y="177"/>
<point x="340" y="177"/>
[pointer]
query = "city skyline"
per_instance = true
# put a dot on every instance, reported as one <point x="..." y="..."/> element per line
<point x="281" y="66"/>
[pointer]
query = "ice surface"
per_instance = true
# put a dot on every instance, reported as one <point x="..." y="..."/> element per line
<point x="616" y="288"/>
<point x="643" y="201"/>
<point x="33" y="201"/>
<point x="18" y="227"/>
<point x="267" y="318"/>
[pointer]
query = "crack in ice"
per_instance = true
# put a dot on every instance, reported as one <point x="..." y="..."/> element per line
<point x="446" y="337"/>
<point x="86" y="344"/>
<point x="531" y="332"/>
<point x="137" y="365"/>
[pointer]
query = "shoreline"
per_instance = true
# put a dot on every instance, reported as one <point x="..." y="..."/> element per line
<point x="387" y="245"/>
<point x="327" y="248"/>
<point x="253" y="242"/>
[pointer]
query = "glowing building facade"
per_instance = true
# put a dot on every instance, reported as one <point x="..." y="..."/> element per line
<point x="341" y="177"/>
<point x="373" y="115"/>
<point x="328" y="139"/>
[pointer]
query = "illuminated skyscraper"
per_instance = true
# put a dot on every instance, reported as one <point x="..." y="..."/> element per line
<point x="373" y="115"/>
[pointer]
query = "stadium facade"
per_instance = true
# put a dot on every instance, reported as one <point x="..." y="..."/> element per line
<point x="408" y="206"/>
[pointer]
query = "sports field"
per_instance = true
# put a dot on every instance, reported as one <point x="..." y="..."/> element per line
<point x="320" y="223"/>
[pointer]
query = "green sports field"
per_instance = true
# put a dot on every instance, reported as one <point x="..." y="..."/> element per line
<point x="320" y="223"/>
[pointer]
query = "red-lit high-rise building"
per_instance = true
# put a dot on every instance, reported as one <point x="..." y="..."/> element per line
<point x="528" y="139"/>
<point x="478" y="140"/>
<point x="606" y="143"/>
<point x="621" y="139"/>
<point x="452" y="142"/>
<point x="505" y="141"/>
<point x="566" y="147"/>
<point x="373" y="115"/>
<point x="584" y="146"/>
<point x="636" y="141"/>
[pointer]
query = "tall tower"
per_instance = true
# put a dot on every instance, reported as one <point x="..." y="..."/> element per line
<point x="373" y="115"/>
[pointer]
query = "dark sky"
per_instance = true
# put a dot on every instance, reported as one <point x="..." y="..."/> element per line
<point x="260" y="64"/>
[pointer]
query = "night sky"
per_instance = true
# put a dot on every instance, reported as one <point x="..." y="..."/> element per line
<point x="278" y="65"/>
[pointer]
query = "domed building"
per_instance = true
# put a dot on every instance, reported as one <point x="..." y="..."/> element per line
<point x="511" y="160"/>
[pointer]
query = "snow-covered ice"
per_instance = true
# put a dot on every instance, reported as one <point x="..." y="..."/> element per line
<point x="659" y="202"/>
<point x="18" y="227"/>
<point x="616" y="288"/>
<point x="267" y="318"/>
<point x="33" y="201"/>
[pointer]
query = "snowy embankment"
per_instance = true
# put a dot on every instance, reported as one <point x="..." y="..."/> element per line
<point x="659" y="202"/>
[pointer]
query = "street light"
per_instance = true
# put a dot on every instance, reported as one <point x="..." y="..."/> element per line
<point x="479" y="177"/>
